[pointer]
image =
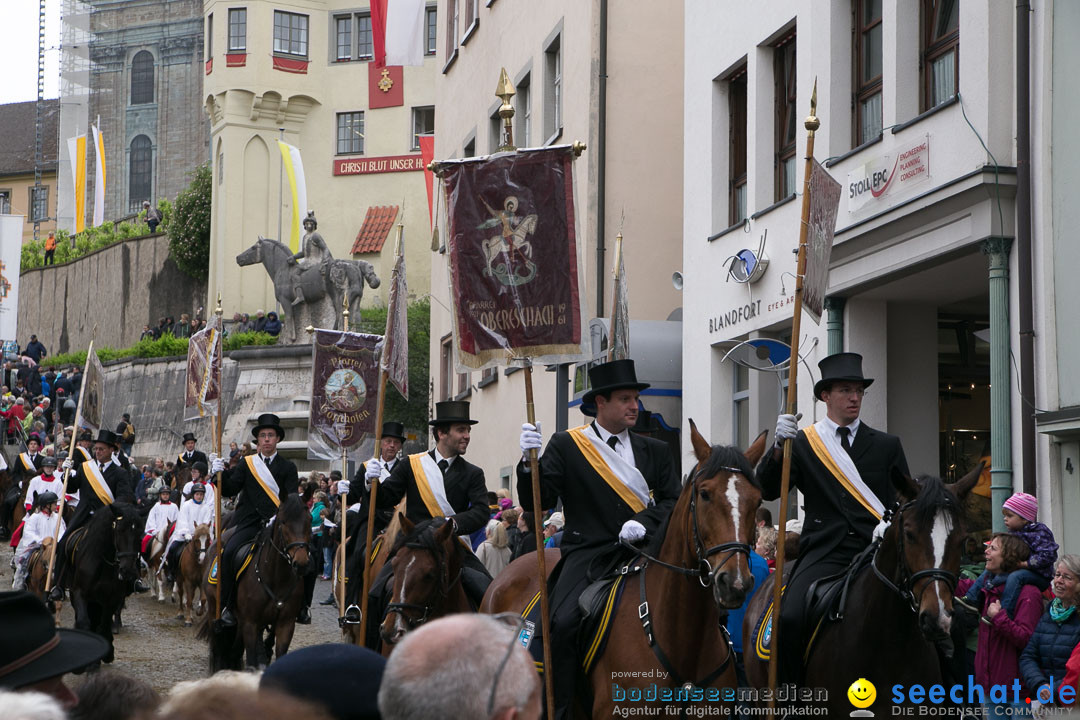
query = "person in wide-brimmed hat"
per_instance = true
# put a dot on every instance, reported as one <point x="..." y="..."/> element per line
<point x="35" y="654"/>
<point x="841" y="512"/>
<point x="254" y="480"/>
<point x="576" y="467"/>
<point x="438" y="483"/>
<point x="190" y="456"/>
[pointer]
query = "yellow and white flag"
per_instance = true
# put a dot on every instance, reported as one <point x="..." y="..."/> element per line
<point x="294" y="170"/>
<point x="99" y="179"/>
<point x="77" y="151"/>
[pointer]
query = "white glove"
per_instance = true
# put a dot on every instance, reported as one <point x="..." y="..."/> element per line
<point x="372" y="473"/>
<point x="632" y="531"/>
<point x="787" y="427"/>
<point x="343" y="487"/>
<point x="530" y="438"/>
<point x="212" y="457"/>
<point x="67" y="464"/>
<point x="216" y="465"/>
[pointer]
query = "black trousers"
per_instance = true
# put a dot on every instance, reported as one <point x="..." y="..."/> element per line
<point x="226" y="567"/>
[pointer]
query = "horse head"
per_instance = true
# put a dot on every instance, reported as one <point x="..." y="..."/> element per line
<point x="265" y="251"/>
<point x="126" y="537"/>
<point x="426" y="567"/>
<point x="926" y="535"/>
<point x="291" y="533"/>
<point x="716" y="511"/>
<point x="201" y="541"/>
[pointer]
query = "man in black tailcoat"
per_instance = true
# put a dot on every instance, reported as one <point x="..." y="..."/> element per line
<point x="255" y="507"/>
<point x="642" y="492"/>
<point x="25" y="467"/>
<point x="190" y="456"/>
<point x="841" y="511"/>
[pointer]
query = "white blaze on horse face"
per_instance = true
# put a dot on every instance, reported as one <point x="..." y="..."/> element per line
<point x="733" y="500"/>
<point x="939" y="534"/>
<point x="399" y="619"/>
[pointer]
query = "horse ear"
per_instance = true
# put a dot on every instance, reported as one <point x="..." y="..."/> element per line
<point x="757" y="448"/>
<point x="702" y="449"/>
<point x="407" y="526"/>
<point x="445" y="533"/>
<point x="963" y="486"/>
<point x="904" y="485"/>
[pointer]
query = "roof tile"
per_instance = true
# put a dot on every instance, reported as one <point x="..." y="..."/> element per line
<point x="375" y="228"/>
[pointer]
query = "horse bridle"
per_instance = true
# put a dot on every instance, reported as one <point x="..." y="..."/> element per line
<point x="905" y="585"/>
<point x="284" y="553"/>
<point x="440" y="594"/>
<point x="704" y="571"/>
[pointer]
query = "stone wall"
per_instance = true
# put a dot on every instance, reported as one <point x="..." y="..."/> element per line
<point x="119" y="289"/>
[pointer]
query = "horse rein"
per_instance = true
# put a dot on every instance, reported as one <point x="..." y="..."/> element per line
<point x="441" y="593"/>
<point x="284" y="553"/>
<point x="905" y="585"/>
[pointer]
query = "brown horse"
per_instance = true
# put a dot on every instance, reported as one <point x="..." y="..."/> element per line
<point x="189" y="580"/>
<point x="897" y="629"/>
<point x="669" y="630"/>
<point x="351" y="631"/>
<point x="517" y="580"/>
<point x="427" y="579"/>
<point x="37" y="569"/>
<point x="155" y="563"/>
<point x="268" y="593"/>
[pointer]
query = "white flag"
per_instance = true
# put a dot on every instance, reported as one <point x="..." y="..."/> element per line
<point x="99" y="179"/>
<point x="405" y="32"/>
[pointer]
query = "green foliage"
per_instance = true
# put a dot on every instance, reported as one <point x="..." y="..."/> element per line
<point x="90" y="239"/>
<point x="165" y="346"/>
<point x="189" y="227"/>
<point x="414" y="413"/>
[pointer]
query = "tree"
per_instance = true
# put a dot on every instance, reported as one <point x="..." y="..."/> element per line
<point x="189" y="229"/>
<point x="414" y="413"/>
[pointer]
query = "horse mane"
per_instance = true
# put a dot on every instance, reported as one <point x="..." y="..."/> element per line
<point x="200" y="530"/>
<point x="934" y="496"/>
<point x="99" y="529"/>
<point x="720" y="457"/>
<point x="422" y="537"/>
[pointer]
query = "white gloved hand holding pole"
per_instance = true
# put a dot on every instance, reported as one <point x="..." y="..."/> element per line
<point x="632" y="531"/>
<point x="787" y="427"/>
<point x="372" y="472"/>
<point x="343" y="487"/>
<point x="217" y="465"/>
<point x="530" y="439"/>
<point x="67" y="465"/>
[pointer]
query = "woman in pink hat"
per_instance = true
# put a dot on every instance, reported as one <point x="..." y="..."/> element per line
<point x="1020" y="512"/>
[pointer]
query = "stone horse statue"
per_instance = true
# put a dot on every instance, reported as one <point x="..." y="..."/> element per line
<point x="322" y="291"/>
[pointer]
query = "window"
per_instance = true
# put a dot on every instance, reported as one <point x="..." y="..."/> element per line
<point x="737" y="147"/>
<point x="39" y="203"/>
<point x="464" y="386"/>
<point x="488" y="376"/>
<point x="472" y="14"/>
<point x="290" y="33"/>
<point x="784" y="68"/>
<point x="365" y="44"/>
<point x="523" y="113"/>
<point x="867" y="70"/>
<point x="142" y="78"/>
<point x="431" y="20"/>
<point x="343" y="37"/>
<point x="220" y="167"/>
<point x="940" y="50"/>
<point x="141" y="164"/>
<point x="495" y="136"/>
<point x="350" y="133"/>
<point x="451" y="28"/>
<point x="423" y="123"/>
<point x="5" y="202"/>
<point x="209" y="36"/>
<point x="553" y="91"/>
<point x="237" y="29"/>
<point x="740" y="397"/>
<point x="469" y="149"/>
<point x="446" y="368"/>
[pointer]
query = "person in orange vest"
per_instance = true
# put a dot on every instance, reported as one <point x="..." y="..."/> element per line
<point x="50" y="248"/>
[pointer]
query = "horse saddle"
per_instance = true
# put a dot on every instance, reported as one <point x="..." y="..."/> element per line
<point x="241" y="560"/>
<point x="72" y="540"/>
<point x="827" y="597"/>
<point x="598" y="604"/>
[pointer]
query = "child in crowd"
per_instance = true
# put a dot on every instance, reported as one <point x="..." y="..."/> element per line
<point x="1020" y="512"/>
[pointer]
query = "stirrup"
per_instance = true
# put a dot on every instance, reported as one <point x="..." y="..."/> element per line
<point x="352" y="615"/>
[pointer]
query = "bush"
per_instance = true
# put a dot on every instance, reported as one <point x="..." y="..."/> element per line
<point x="90" y="239"/>
<point x="414" y="413"/>
<point x="189" y="226"/>
<point x="164" y="346"/>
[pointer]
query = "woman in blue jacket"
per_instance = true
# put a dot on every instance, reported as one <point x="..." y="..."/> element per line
<point x="1056" y="635"/>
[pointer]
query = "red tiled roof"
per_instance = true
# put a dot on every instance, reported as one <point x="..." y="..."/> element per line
<point x="376" y="226"/>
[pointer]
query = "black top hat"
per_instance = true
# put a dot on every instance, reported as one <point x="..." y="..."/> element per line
<point x="614" y="375"/>
<point x="394" y="430"/>
<point x="86" y="435"/>
<point x="108" y="437"/>
<point x="268" y="420"/>
<point x="449" y="412"/>
<point x="35" y="437"/>
<point x="841" y="366"/>
<point x="34" y="649"/>
<point x="189" y="436"/>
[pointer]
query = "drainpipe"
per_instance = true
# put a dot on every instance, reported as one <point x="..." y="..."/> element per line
<point x="1026" y="320"/>
<point x="1001" y="481"/>
<point x="601" y="161"/>
<point x="834" y="325"/>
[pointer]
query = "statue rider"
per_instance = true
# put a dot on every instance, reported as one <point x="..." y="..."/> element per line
<point x="313" y="251"/>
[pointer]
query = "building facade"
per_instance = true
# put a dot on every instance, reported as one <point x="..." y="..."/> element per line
<point x="917" y="102"/>
<point x="302" y="72"/>
<point x="19" y="192"/>
<point x="580" y="75"/>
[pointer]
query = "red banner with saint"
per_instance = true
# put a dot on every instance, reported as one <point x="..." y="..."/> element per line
<point x="513" y="252"/>
<point x="344" y="389"/>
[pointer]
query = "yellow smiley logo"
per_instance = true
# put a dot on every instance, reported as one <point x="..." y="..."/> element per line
<point x="862" y="693"/>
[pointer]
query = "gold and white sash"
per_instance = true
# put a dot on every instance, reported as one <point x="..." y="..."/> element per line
<point x="429" y="481"/>
<point x="28" y="464"/>
<point x="97" y="481"/>
<point x="3" y="462"/>
<point x="264" y="477"/>
<point x="625" y="479"/>
<point x="84" y="452"/>
<point x="826" y="446"/>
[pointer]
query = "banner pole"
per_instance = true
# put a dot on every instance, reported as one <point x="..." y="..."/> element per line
<point x="812" y="123"/>
<point x="614" y="298"/>
<point x="67" y="473"/>
<point x="218" y="423"/>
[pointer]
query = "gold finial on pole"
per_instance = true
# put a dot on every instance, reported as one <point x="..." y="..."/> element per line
<point x="345" y="311"/>
<point x="218" y="311"/>
<point x="812" y="123"/>
<point x="504" y="92"/>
